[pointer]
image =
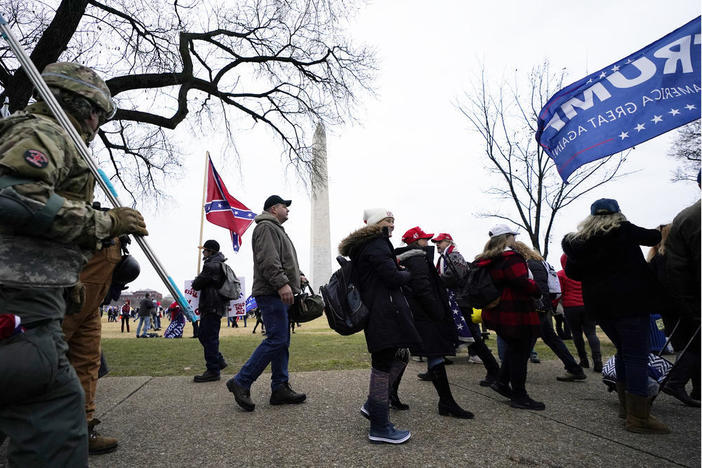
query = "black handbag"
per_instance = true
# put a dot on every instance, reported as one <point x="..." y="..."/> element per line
<point x="306" y="307"/>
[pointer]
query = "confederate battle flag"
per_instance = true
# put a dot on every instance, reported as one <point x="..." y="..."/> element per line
<point x="224" y="210"/>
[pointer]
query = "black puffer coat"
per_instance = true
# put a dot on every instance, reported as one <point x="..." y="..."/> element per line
<point x="616" y="280"/>
<point x="379" y="278"/>
<point x="428" y="301"/>
<point x="208" y="282"/>
<point x="538" y="270"/>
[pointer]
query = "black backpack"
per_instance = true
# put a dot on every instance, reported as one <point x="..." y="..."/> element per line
<point x="479" y="290"/>
<point x="345" y="311"/>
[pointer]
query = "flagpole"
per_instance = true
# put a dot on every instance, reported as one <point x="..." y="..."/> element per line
<point x="202" y="210"/>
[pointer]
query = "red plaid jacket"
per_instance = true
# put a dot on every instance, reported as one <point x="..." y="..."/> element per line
<point x="515" y="316"/>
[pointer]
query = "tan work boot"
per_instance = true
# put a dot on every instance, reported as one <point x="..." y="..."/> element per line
<point x="98" y="444"/>
<point x="638" y="416"/>
<point x="621" y="393"/>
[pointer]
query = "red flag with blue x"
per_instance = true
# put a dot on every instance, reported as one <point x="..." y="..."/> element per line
<point x="224" y="210"/>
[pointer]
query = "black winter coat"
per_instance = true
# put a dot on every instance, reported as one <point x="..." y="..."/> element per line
<point x="379" y="278"/>
<point x="428" y="301"/>
<point x="616" y="280"/>
<point x="208" y="282"/>
<point x="682" y="268"/>
<point x="538" y="270"/>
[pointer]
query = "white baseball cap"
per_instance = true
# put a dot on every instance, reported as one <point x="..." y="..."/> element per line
<point x="500" y="229"/>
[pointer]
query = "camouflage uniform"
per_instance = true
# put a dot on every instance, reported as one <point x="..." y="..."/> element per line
<point x="41" y="400"/>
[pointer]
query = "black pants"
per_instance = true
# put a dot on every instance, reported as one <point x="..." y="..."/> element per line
<point x="514" y="367"/>
<point x="125" y="319"/>
<point x="559" y="348"/>
<point x="480" y="348"/>
<point x="580" y="323"/>
<point x="208" y="334"/>
<point x="687" y="366"/>
<point x="382" y="360"/>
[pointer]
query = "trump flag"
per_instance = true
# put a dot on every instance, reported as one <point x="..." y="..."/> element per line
<point x="646" y="94"/>
<point x="224" y="210"/>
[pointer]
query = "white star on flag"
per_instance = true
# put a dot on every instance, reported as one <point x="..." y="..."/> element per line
<point x="603" y="74"/>
<point x="656" y="119"/>
<point x="615" y="68"/>
<point x="690" y="107"/>
<point x="624" y="135"/>
<point x="640" y="127"/>
<point x="674" y="112"/>
<point x="628" y="60"/>
<point x="589" y="81"/>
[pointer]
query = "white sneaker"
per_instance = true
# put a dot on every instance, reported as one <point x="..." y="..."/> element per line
<point x="475" y="360"/>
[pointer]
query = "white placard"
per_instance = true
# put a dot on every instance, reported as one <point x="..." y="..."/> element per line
<point x="237" y="307"/>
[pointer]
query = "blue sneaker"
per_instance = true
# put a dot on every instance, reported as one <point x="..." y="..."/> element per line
<point x="389" y="435"/>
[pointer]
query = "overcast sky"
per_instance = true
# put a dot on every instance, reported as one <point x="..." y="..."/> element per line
<point x="413" y="153"/>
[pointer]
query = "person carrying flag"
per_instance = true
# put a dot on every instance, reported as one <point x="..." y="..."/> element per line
<point x="212" y="307"/>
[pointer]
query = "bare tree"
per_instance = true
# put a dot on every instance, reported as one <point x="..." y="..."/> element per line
<point x="281" y="63"/>
<point x="686" y="149"/>
<point x="506" y="120"/>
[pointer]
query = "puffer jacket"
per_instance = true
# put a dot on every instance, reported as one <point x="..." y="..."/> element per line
<point x="379" y="278"/>
<point x="571" y="290"/>
<point x="208" y="282"/>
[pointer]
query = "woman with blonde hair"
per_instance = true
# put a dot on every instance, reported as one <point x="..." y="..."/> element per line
<point x="535" y="262"/>
<point x="618" y="290"/>
<point x="514" y="318"/>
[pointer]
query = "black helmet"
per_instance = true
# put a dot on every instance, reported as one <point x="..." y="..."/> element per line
<point x="127" y="270"/>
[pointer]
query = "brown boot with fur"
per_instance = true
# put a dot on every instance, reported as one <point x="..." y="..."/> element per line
<point x="638" y="416"/>
<point x="621" y="393"/>
<point x="98" y="444"/>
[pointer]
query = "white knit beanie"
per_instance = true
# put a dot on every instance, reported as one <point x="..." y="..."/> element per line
<point x="375" y="215"/>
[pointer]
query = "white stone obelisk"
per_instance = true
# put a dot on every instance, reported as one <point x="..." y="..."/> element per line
<point x="320" y="243"/>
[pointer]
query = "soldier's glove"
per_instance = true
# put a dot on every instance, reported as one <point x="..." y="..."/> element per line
<point x="127" y="221"/>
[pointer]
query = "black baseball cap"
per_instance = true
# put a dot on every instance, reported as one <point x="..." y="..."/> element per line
<point x="212" y="245"/>
<point x="274" y="200"/>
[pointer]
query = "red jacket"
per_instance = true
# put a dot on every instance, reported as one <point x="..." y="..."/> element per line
<point x="515" y="316"/>
<point x="571" y="290"/>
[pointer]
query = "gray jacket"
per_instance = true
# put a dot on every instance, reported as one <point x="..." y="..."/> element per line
<point x="274" y="256"/>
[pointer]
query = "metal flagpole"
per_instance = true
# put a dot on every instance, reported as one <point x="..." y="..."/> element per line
<point x="202" y="209"/>
<point x="98" y="173"/>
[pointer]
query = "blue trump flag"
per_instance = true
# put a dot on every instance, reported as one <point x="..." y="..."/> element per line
<point x="648" y="93"/>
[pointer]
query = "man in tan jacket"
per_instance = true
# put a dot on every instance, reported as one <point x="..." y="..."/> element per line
<point x="276" y="279"/>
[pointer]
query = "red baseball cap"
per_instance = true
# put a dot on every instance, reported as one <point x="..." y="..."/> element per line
<point x="442" y="236"/>
<point x="415" y="234"/>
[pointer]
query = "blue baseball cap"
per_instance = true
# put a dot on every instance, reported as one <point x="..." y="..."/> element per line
<point x="604" y="206"/>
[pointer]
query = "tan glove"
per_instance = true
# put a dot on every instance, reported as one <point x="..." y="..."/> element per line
<point x="127" y="221"/>
<point x="75" y="299"/>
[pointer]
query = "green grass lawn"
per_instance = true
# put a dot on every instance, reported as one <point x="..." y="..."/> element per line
<point x="311" y="349"/>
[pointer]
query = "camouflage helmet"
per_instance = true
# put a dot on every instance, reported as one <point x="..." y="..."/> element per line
<point x="83" y="81"/>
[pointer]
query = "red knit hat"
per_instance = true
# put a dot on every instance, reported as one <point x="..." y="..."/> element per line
<point x="415" y="234"/>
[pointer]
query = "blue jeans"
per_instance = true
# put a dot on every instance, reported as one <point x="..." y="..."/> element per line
<point x="630" y="337"/>
<point x="146" y="321"/>
<point x="274" y="349"/>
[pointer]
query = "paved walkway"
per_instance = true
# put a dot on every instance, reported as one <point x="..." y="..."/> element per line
<point x="171" y="421"/>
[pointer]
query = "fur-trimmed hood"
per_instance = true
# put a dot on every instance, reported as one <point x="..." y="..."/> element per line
<point x="360" y="237"/>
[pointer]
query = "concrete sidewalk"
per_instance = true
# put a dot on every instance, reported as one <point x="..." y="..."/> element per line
<point x="171" y="421"/>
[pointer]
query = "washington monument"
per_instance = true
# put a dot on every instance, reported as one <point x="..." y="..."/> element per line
<point x="320" y="243"/>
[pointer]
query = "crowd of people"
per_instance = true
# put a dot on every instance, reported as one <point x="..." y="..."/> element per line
<point x="49" y="311"/>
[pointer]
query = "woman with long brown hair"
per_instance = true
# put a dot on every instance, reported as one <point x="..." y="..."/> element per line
<point x="514" y="318"/>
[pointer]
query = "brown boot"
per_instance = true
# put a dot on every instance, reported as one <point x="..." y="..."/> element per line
<point x="621" y="393"/>
<point x="98" y="444"/>
<point x="638" y="416"/>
